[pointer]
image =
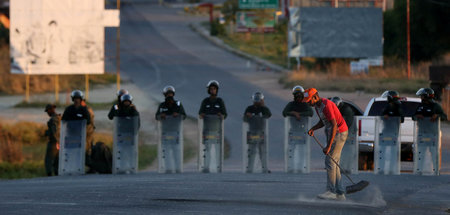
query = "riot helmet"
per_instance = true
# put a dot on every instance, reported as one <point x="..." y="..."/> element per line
<point x="168" y="89"/>
<point x="297" y="89"/>
<point x="76" y="94"/>
<point x="391" y="95"/>
<point x="427" y="92"/>
<point x="212" y="83"/>
<point x="121" y="92"/>
<point x="257" y="97"/>
<point x="126" y="97"/>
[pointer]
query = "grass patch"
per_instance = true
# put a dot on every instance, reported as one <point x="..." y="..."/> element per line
<point x="190" y="150"/>
<point x="352" y="84"/>
<point x="271" y="49"/>
<point x="23" y="146"/>
<point x="147" y="155"/>
<point x="26" y="133"/>
<point x="27" y="169"/>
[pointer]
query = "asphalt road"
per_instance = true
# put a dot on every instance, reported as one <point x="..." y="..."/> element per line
<point x="158" y="49"/>
<point x="226" y="193"/>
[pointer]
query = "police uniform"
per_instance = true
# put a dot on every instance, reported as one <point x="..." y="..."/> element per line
<point x="76" y="113"/>
<point x="213" y="106"/>
<point x="255" y="110"/>
<point x="51" y="155"/>
<point x="301" y="107"/>
<point x="90" y="127"/>
<point x="256" y="129"/>
<point x="429" y="109"/>
<point x="167" y="109"/>
<point x="72" y="113"/>
<point x="394" y="109"/>
<point x="113" y="111"/>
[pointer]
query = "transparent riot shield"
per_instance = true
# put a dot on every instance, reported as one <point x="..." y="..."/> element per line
<point x="211" y="144"/>
<point x="255" y="144"/>
<point x="170" y="147"/>
<point x="427" y="147"/>
<point x="297" y="145"/>
<point x="350" y="152"/>
<point x="125" y="150"/>
<point x="387" y="146"/>
<point x="72" y="147"/>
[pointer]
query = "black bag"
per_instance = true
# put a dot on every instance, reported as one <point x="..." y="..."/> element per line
<point x="101" y="158"/>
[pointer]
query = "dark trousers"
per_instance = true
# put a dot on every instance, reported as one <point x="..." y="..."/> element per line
<point x="51" y="159"/>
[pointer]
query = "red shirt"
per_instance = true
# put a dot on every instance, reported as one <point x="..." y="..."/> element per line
<point x="328" y="111"/>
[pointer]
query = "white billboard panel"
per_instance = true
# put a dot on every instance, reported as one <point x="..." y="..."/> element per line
<point x="59" y="36"/>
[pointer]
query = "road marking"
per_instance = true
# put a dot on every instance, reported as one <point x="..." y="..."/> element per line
<point x="38" y="203"/>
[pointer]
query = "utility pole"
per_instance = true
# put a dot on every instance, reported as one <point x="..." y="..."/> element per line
<point x="56" y="88"/>
<point x="408" y="39"/>
<point x="118" y="51"/>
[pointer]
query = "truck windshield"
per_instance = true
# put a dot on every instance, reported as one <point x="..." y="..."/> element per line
<point x="409" y="108"/>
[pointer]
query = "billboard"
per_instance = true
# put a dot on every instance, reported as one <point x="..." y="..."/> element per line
<point x="59" y="36"/>
<point x="336" y="32"/>
<point x="258" y="4"/>
<point x="246" y="22"/>
<point x="294" y="32"/>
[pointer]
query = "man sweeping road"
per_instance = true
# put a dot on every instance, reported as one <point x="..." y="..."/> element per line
<point x="336" y="132"/>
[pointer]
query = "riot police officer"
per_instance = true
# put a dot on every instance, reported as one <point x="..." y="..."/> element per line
<point x="428" y="107"/>
<point x="255" y="115"/>
<point x="76" y="111"/>
<point x="126" y="108"/>
<point x="297" y="108"/>
<point x="170" y="106"/>
<point x="258" y="108"/>
<point x="393" y="108"/>
<point x="51" y="155"/>
<point x="213" y="105"/>
<point x="115" y="107"/>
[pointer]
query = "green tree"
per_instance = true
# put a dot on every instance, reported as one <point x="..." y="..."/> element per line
<point x="430" y="30"/>
<point x="262" y="16"/>
<point x="229" y="10"/>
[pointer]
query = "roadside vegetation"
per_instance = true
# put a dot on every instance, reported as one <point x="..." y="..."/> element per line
<point x="334" y="74"/>
<point x="23" y="146"/>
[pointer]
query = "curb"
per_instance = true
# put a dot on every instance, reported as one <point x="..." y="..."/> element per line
<point x="218" y="42"/>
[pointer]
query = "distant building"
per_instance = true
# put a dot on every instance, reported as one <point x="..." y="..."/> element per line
<point x="385" y="4"/>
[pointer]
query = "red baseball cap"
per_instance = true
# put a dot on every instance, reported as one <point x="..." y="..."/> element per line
<point x="308" y="94"/>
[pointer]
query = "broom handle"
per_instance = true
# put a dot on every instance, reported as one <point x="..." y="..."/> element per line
<point x="321" y="146"/>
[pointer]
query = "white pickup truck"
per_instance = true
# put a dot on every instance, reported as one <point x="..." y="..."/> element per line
<point x="366" y="129"/>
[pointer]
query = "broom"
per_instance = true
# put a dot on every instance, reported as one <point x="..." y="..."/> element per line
<point x="355" y="187"/>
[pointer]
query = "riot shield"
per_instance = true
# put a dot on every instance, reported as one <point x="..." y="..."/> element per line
<point x="170" y="147"/>
<point x="125" y="150"/>
<point x="211" y="144"/>
<point x="72" y="147"/>
<point x="297" y="145"/>
<point x="427" y="147"/>
<point x="255" y="144"/>
<point x="350" y="151"/>
<point x="387" y="146"/>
